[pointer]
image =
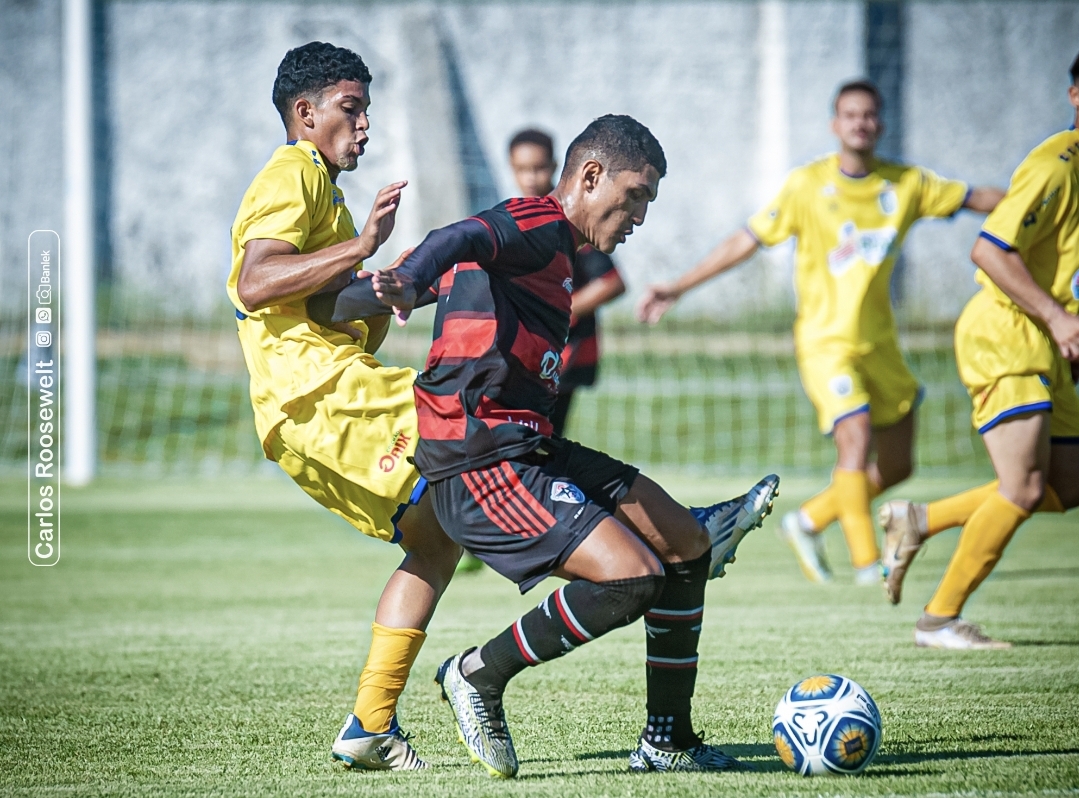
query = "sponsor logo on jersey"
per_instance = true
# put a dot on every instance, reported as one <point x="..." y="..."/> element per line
<point x="566" y="492"/>
<point x="828" y="190"/>
<point x="870" y="246"/>
<point x="393" y="455"/>
<point x="1030" y="219"/>
<point x="568" y="285"/>
<point x="842" y="385"/>
<point x="889" y="204"/>
<point x="550" y="365"/>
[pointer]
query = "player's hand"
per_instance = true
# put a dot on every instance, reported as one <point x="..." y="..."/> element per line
<point x="397" y="291"/>
<point x="401" y="258"/>
<point x="350" y="329"/>
<point x="1064" y="327"/>
<point x="657" y="300"/>
<point x="381" y="219"/>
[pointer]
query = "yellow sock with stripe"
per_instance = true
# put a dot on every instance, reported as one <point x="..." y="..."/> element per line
<point x="852" y="500"/>
<point x="981" y="543"/>
<point x="956" y="510"/>
<point x="822" y="509"/>
<point x="388" y="664"/>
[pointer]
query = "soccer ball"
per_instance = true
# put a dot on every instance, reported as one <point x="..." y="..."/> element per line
<point x="826" y="725"/>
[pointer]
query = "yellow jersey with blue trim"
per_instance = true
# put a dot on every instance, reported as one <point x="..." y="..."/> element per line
<point x="1039" y="219"/>
<point x="288" y="355"/>
<point x="849" y="231"/>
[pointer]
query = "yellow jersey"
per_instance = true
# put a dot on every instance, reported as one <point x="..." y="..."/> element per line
<point x="289" y="356"/>
<point x="849" y="232"/>
<point x="1039" y="218"/>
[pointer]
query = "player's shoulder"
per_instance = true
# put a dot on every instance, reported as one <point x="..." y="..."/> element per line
<point x="1058" y="154"/>
<point x="529" y="213"/>
<point x="299" y="158"/>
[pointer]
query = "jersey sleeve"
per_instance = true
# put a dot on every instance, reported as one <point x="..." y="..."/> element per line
<point x="595" y="265"/>
<point x="284" y="204"/>
<point x="1027" y="212"/>
<point x="940" y="197"/>
<point x="780" y="219"/>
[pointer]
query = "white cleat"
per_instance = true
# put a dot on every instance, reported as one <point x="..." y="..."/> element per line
<point x="808" y="548"/>
<point x="699" y="758"/>
<point x="730" y="521"/>
<point x="902" y="542"/>
<point x="958" y="635"/>
<point x="481" y="728"/>
<point x="364" y="750"/>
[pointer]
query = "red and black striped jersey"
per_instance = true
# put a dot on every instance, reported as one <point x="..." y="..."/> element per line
<point x="502" y="322"/>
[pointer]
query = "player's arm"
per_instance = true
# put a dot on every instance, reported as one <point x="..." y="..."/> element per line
<point x="597" y="293"/>
<point x="734" y="249"/>
<point x="1006" y="268"/>
<point x="983" y="199"/>
<point x="274" y="272"/>
<point x="399" y="290"/>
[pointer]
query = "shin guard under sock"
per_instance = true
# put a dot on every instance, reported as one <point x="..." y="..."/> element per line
<point x="673" y="629"/>
<point x="569" y="617"/>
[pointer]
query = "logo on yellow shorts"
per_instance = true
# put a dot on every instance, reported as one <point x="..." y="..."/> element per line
<point x="389" y="461"/>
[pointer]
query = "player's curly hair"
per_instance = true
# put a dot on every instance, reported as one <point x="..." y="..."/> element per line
<point x="309" y="69"/>
<point x="618" y="142"/>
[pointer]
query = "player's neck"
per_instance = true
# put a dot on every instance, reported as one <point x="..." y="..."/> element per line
<point x="853" y="163"/>
<point x="298" y="135"/>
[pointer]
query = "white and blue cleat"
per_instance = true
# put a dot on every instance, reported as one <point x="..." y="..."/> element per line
<point x="700" y="758"/>
<point x="730" y="521"/>
<point x="481" y="728"/>
<point x="363" y="750"/>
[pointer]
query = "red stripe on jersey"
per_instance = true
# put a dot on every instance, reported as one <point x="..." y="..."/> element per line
<point x="521" y="492"/>
<point x="464" y="335"/>
<point x="536" y="353"/>
<point x="584" y="353"/>
<point x="492" y="509"/>
<point x="441" y="418"/>
<point x="492" y="414"/>
<point x="553" y="284"/>
<point x="532" y="212"/>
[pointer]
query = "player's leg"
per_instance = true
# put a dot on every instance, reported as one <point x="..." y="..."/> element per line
<point x="853" y="490"/>
<point x="1063" y="475"/>
<point x="527" y="523"/>
<point x="1019" y="449"/>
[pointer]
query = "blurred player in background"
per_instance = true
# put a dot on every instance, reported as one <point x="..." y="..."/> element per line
<point x="596" y="280"/>
<point x="1017" y="348"/>
<point x="337" y="421"/>
<point x="528" y="502"/>
<point x="849" y="212"/>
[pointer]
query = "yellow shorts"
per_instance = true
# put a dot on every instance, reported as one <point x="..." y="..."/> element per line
<point x="349" y="446"/>
<point x="1010" y="366"/>
<point x="841" y="382"/>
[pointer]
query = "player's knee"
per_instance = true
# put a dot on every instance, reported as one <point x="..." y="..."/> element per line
<point x="1028" y="492"/>
<point x="626" y="600"/>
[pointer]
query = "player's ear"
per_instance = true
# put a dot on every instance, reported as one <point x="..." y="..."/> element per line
<point x="1073" y="95"/>
<point x="591" y="172"/>
<point x="303" y="110"/>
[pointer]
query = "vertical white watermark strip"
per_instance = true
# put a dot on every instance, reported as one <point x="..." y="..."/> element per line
<point x="43" y="418"/>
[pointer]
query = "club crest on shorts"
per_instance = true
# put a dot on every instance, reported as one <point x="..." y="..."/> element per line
<point x="566" y="492"/>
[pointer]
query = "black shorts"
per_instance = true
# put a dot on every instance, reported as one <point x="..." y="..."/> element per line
<point x="524" y="517"/>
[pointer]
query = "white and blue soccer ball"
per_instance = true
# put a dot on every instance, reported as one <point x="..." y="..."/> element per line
<point x="826" y="725"/>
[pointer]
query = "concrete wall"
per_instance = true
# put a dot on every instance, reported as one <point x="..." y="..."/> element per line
<point x="737" y="92"/>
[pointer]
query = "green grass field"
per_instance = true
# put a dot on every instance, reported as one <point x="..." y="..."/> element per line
<point x="204" y="638"/>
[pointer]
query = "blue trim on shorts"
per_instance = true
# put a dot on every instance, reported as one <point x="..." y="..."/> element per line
<point x="413" y="498"/>
<point x="1065" y="440"/>
<point x="240" y="316"/>
<point x="994" y="240"/>
<point x="856" y="411"/>
<point x="1016" y="411"/>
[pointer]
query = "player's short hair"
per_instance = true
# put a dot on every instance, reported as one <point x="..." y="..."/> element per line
<point x="618" y="142"/>
<point x="536" y="137"/>
<point x="307" y="70"/>
<point x="862" y="85"/>
<point x="1075" y="71"/>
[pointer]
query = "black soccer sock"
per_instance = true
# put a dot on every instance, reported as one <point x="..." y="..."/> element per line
<point x="569" y="617"/>
<point x="673" y="628"/>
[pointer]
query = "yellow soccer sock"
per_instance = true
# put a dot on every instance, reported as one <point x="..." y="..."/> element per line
<point x="852" y="500"/>
<point x="981" y="543"/>
<point x="956" y="510"/>
<point x="392" y="653"/>
<point x="823" y="509"/>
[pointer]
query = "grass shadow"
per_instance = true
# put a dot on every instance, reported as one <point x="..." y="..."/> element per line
<point x="1035" y="573"/>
